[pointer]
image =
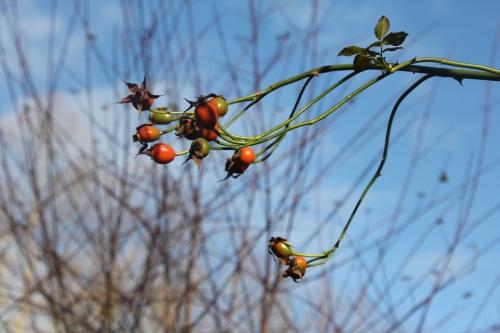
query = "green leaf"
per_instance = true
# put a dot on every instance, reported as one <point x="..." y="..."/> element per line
<point x="369" y="53"/>
<point x="351" y="50"/>
<point x="390" y="49"/>
<point x="382" y="27"/>
<point x="362" y="62"/>
<point x="378" y="43"/>
<point x="395" y="38"/>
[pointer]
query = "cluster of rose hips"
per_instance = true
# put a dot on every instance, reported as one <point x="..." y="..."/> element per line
<point x="282" y="250"/>
<point x="201" y="127"/>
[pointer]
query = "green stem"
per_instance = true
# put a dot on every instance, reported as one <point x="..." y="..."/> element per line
<point x="377" y="174"/>
<point x="276" y="143"/>
<point x="233" y="137"/>
<point x="471" y="71"/>
<point x="312" y="263"/>
<point x="184" y="152"/>
<point x="168" y="130"/>
<point x="312" y="72"/>
<point x="262" y="137"/>
<point x="480" y="72"/>
<point x="224" y="144"/>
<point x="323" y="115"/>
<point x="245" y="109"/>
<point x="309" y="255"/>
<point x="459" y="64"/>
<point x="221" y="147"/>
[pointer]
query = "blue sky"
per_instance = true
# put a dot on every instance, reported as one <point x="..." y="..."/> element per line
<point x="461" y="30"/>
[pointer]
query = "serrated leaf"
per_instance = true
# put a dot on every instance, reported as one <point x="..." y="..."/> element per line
<point x="350" y="51"/>
<point x="395" y="38"/>
<point x="391" y="49"/>
<point x="378" y="43"/>
<point x="382" y="27"/>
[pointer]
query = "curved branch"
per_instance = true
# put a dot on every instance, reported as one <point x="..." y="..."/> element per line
<point x="474" y="72"/>
<point x="329" y="253"/>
